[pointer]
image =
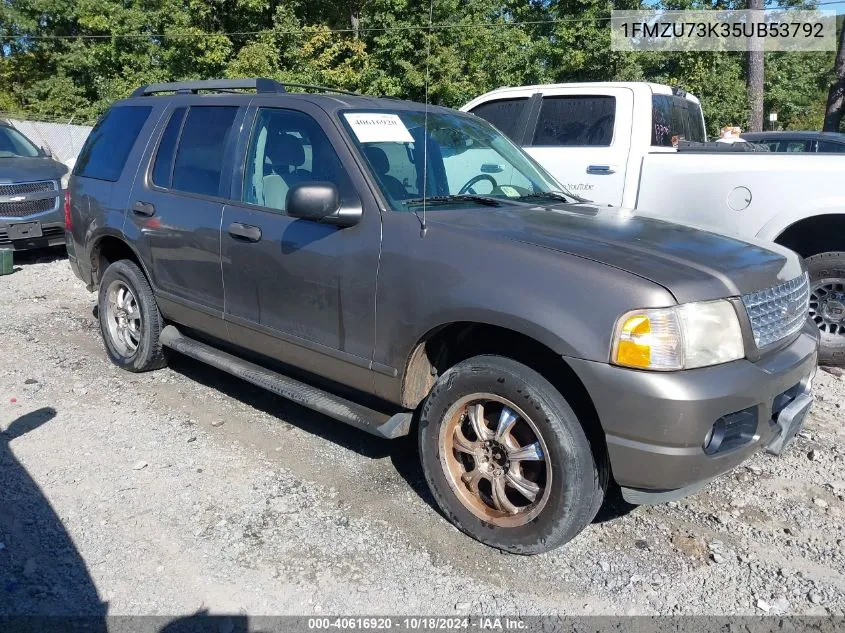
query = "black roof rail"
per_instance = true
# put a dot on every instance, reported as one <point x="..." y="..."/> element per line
<point x="193" y="87"/>
<point x="322" y="89"/>
<point x="259" y="84"/>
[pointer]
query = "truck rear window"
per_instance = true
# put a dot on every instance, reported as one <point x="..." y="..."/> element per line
<point x="577" y="121"/>
<point x="505" y="114"/>
<point x="674" y="119"/>
<point x="107" y="147"/>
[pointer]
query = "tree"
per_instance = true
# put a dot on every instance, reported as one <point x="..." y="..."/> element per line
<point x="73" y="58"/>
<point x="796" y="86"/>
<point x="836" y="94"/>
<point x="756" y="77"/>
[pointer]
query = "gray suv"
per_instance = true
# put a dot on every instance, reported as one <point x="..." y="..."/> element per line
<point x="406" y="268"/>
<point x="31" y="213"/>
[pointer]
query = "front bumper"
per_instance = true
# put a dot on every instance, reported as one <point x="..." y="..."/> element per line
<point x="52" y="232"/>
<point x="656" y="423"/>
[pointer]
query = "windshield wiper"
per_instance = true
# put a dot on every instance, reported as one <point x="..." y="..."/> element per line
<point x="554" y="195"/>
<point x="459" y="197"/>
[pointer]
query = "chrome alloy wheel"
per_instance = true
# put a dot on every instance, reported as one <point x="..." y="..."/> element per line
<point x="500" y="472"/>
<point x="123" y="319"/>
<point x="827" y="305"/>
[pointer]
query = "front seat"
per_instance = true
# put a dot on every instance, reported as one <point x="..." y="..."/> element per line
<point x="381" y="165"/>
<point x="285" y="156"/>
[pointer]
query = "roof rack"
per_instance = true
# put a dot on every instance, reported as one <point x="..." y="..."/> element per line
<point x="321" y="89"/>
<point x="259" y="84"/>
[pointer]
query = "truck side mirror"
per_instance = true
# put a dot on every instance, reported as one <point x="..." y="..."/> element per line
<point x="320" y="202"/>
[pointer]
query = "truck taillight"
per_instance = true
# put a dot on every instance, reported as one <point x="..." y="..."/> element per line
<point x="68" y="221"/>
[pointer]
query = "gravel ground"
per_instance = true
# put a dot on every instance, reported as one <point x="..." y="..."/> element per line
<point x="186" y="489"/>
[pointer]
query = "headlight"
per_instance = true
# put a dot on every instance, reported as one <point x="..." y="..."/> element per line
<point x="681" y="337"/>
<point x="65" y="180"/>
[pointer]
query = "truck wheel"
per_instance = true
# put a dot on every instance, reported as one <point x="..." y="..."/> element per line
<point x="827" y="304"/>
<point x="129" y="318"/>
<point x="506" y="458"/>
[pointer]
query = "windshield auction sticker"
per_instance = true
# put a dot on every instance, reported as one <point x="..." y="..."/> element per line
<point x="378" y="128"/>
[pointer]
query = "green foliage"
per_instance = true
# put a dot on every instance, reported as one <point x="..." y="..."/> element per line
<point x="375" y="46"/>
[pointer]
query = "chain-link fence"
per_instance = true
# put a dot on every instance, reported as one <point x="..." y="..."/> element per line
<point x="64" y="140"/>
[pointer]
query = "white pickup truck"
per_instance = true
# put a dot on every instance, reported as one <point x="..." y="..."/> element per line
<point x="616" y="143"/>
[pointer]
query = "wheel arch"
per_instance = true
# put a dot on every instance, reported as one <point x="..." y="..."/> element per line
<point x="450" y="343"/>
<point x="108" y="248"/>
<point x="811" y="235"/>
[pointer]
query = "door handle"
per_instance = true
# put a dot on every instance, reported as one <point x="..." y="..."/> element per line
<point x="601" y="169"/>
<point x="146" y="209"/>
<point x="245" y="232"/>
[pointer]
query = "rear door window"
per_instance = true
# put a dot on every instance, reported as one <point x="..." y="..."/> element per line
<point x="199" y="157"/>
<point x="576" y="121"/>
<point x="505" y="114"/>
<point x="796" y="146"/>
<point x="108" y="145"/>
<point x="828" y="146"/>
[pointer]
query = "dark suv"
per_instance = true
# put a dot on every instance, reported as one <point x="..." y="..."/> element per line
<point x="31" y="213"/>
<point x="398" y="266"/>
<point x="821" y="142"/>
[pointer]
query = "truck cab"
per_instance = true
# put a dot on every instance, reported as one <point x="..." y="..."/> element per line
<point x="588" y="134"/>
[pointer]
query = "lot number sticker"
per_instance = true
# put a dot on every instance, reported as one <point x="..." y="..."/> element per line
<point x="379" y="128"/>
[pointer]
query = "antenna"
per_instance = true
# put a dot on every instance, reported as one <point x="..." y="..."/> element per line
<point x="424" y="227"/>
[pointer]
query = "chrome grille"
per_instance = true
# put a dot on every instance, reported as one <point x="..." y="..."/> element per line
<point x="27" y="207"/>
<point x="779" y="311"/>
<point x="27" y="187"/>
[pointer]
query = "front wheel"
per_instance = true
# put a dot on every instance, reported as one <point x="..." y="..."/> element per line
<point x="506" y="458"/>
<point x="827" y="304"/>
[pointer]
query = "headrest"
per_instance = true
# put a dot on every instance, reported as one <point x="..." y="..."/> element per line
<point x="285" y="149"/>
<point x="378" y="159"/>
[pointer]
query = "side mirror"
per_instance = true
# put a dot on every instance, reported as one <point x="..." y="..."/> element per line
<point x="47" y="151"/>
<point x="320" y="202"/>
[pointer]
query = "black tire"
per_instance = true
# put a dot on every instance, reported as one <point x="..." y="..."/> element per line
<point x="578" y="480"/>
<point x="829" y="266"/>
<point x="149" y="353"/>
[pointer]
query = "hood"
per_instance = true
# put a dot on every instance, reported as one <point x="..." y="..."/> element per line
<point x="20" y="169"/>
<point x="691" y="263"/>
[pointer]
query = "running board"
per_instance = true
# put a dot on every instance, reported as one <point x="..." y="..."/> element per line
<point x="351" y="413"/>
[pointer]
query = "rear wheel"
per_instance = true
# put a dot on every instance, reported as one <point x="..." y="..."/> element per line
<point x="129" y="318"/>
<point x="827" y="304"/>
<point x="506" y="458"/>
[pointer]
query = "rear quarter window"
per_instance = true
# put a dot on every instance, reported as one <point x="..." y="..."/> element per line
<point x="104" y="154"/>
<point x="504" y="114"/>
<point x="576" y="121"/>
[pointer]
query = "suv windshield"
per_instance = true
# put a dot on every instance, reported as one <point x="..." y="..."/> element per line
<point x="13" y="144"/>
<point x="459" y="161"/>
